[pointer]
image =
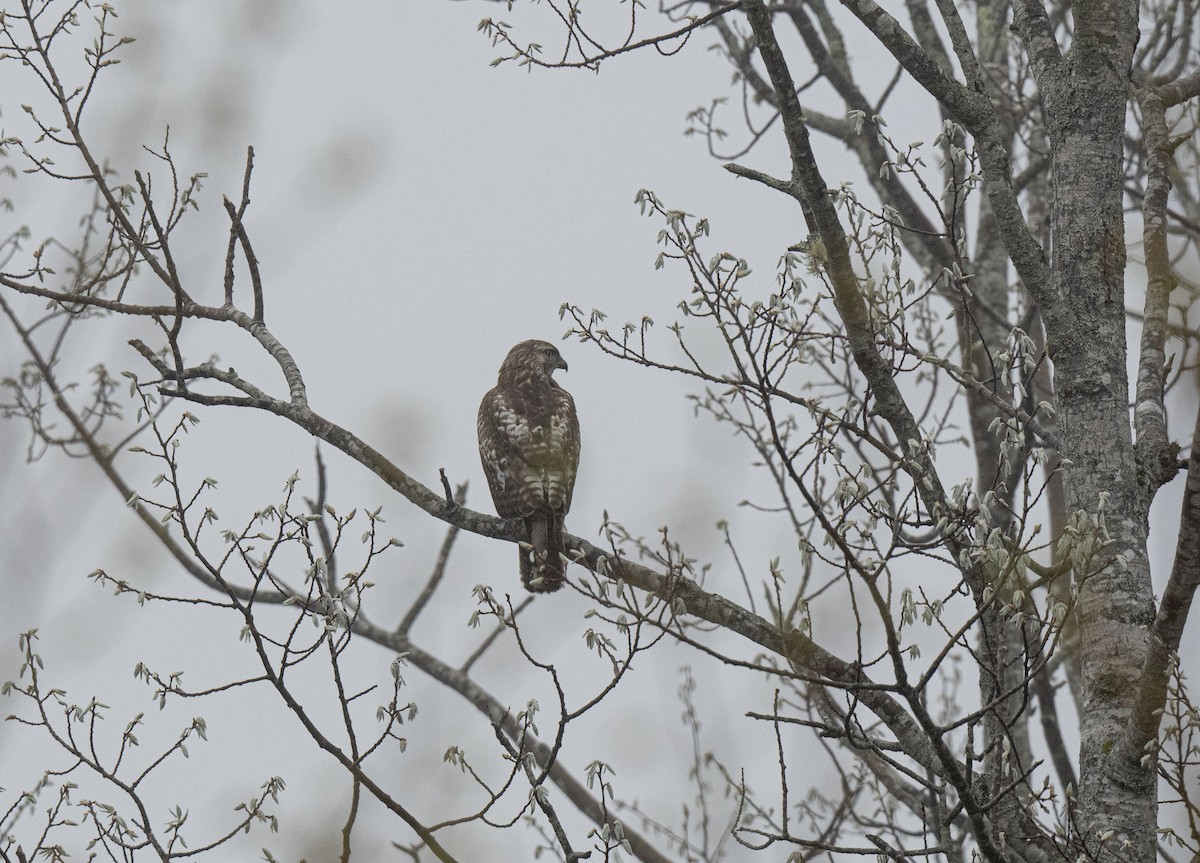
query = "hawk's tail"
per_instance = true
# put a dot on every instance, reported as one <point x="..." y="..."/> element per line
<point x="543" y="567"/>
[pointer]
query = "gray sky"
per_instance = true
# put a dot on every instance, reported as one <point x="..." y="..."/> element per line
<point x="415" y="213"/>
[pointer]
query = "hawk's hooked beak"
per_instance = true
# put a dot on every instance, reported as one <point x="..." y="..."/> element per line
<point x="561" y="364"/>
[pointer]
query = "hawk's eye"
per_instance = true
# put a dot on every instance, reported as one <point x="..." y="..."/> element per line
<point x="549" y="351"/>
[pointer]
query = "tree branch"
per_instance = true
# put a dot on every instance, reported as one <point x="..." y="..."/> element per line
<point x="807" y="186"/>
<point x="1171" y="619"/>
<point x="1155" y="454"/>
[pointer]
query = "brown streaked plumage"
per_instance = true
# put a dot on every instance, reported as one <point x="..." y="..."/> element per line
<point x="529" y="446"/>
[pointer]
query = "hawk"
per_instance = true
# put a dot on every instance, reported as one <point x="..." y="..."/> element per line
<point x="529" y="446"/>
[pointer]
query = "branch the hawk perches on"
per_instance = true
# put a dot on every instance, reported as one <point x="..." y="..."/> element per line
<point x="529" y="446"/>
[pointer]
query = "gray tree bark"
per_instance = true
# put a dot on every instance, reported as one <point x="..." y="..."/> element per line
<point x="1084" y="96"/>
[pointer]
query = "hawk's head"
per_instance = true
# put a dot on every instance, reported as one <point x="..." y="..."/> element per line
<point x="532" y="360"/>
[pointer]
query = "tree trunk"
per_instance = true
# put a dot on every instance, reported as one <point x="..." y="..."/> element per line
<point x="1085" y="98"/>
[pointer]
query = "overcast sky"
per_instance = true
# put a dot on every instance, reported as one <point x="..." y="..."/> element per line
<point x="415" y="213"/>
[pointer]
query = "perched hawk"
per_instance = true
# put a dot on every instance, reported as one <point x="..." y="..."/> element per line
<point x="529" y="446"/>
